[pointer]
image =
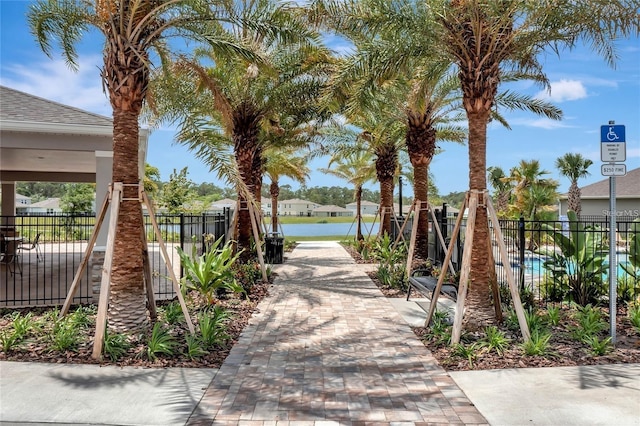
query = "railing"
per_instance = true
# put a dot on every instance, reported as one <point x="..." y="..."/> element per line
<point x="530" y="250"/>
<point x="43" y="275"/>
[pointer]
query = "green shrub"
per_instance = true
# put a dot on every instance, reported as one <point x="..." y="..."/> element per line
<point x="213" y="326"/>
<point x="65" y="335"/>
<point x="494" y="339"/>
<point x="590" y="323"/>
<point x="599" y="346"/>
<point x="553" y="315"/>
<point x="538" y="344"/>
<point x="468" y="352"/>
<point x="173" y="313"/>
<point x="116" y="345"/>
<point x="535" y="322"/>
<point x="633" y="313"/>
<point x="579" y="264"/>
<point x="160" y="342"/>
<point x="210" y="271"/>
<point x="194" y="347"/>
<point x="23" y="325"/>
<point x="9" y="340"/>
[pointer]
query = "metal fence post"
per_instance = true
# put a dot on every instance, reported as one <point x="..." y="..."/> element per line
<point x="521" y="244"/>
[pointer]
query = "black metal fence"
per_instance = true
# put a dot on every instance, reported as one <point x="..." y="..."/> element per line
<point x="42" y="254"/>
<point x="545" y="269"/>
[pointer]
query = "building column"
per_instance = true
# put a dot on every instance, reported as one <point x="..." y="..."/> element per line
<point x="104" y="168"/>
<point x="8" y="204"/>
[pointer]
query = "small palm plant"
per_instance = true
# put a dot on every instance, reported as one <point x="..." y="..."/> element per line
<point x="580" y="263"/>
<point x="210" y="271"/>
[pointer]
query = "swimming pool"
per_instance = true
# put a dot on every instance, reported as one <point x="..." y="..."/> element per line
<point x="534" y="265"/>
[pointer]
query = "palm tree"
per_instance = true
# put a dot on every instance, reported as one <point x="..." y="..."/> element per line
<point x="487" y="39"/>
<point x="357" y="168"/>
<point x="395" y="49"/>
<point x="240" y="101"/>
<point x="526" y="178"/>
<point x="502" y="186"/>
<point x="280" y="163"/>
<point x="574" y="167"/>
<point x="131" y="30"/>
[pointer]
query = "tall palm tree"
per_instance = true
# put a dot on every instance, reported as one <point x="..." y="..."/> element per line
<point x="487" y="39"/>
<point x="282" y="163"/>
<point x="574" y="166"/>
<point x="131" y="30"/>
<point x="239" y="101"/>
<point x="502" y="186"/>
<point x="395" y="48"/>
<point x="357" y="168"/>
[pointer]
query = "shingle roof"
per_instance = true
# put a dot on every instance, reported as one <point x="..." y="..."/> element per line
<point x="23" y="107"/>
<point x="626" y="186"/>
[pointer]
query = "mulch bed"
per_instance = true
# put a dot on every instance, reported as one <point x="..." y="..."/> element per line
<point x="37" y="348"/>
<point x="564" y="350"/>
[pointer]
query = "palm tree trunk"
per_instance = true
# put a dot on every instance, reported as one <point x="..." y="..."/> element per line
<point x="573" y="200"/>
<point x="274" y="190"/>
<point x="480" y="311"/>
<point x="386" y="164"/>
<point x="127" y="307"/>
<point x="245" y="137"/>
<point x="386" y="204"/>
<point x="359" y="236"/>
<point x="421" y="144"/>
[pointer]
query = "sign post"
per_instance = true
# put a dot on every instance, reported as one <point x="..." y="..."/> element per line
<point x="613" y="149"/>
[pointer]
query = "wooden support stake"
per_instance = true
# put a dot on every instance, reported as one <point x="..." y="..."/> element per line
<point x="466" y="266"/>
<point x="256" y="237"/>
<point x="412" y="241"/>
<point x="404" y="225"/>
<point x="167" y="260"/>
<point x="105" y="285"/>
<point x="447" y="258"/>
<point x="436" y="225"/>
<point x="146" y="265"/>
<point x="85" y="258"/>
<point x="515" y="294"/>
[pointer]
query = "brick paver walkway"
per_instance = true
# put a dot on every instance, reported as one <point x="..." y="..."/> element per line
<point x="326" y="348"/>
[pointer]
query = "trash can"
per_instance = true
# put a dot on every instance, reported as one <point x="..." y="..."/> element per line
<point x="274" y="248"/>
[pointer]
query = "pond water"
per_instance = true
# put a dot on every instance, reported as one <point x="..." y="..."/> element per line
<point x="323" y="229"/>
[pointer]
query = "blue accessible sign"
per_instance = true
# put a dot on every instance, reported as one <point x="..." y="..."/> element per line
<point x="613" y="147"/>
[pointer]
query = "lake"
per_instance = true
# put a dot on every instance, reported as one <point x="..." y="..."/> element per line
<point x="322" y="229"/>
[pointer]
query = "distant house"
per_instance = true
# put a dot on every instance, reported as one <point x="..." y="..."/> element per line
<point x="332" y="211"/>
<point x="22" y="203"/>
<point x="220" y="205"/>
<point x="296" y="207"/>
<point x="367" y="208"/>
<point x="45" y="207"/>
<point x="595" y="197"/>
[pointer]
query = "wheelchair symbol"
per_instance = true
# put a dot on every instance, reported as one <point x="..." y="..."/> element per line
<point x="611" y="135"/>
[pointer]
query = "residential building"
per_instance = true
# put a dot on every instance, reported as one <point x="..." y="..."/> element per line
<point x="367" y="208"/>
<point x="332" y="211"/>
<point x="296" y="207"/>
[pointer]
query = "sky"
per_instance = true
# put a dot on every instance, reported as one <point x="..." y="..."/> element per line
<point x="589" y="92"/>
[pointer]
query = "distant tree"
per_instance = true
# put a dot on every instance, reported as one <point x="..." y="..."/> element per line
<point x="39" y="191"/>
<point x="528" y="181"/>
<point x="151" y="180"/>
<point x="502" y="187"/>
<point x="208" y="189"/>
<point x="574" y="167"/>
<point x="178" y="194"/>
<point x="77" y="198"/>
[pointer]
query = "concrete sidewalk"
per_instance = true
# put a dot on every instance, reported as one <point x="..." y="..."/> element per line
<point x="325" y="348"/>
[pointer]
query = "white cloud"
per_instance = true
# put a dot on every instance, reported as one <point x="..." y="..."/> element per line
<point x="541" y="123"/>
<point x="55" y="81"/>
<point x="564" y="90"/>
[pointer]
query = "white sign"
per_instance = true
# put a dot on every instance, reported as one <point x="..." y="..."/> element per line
<point x="613" y="152"/>
<point x="613" y="169"/>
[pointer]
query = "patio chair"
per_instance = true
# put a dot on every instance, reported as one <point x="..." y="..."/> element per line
<point x="9" y="257"/>
<point x="33" y="245"/>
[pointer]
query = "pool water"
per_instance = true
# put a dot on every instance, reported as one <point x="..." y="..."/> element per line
<point x="535" y="265"/>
